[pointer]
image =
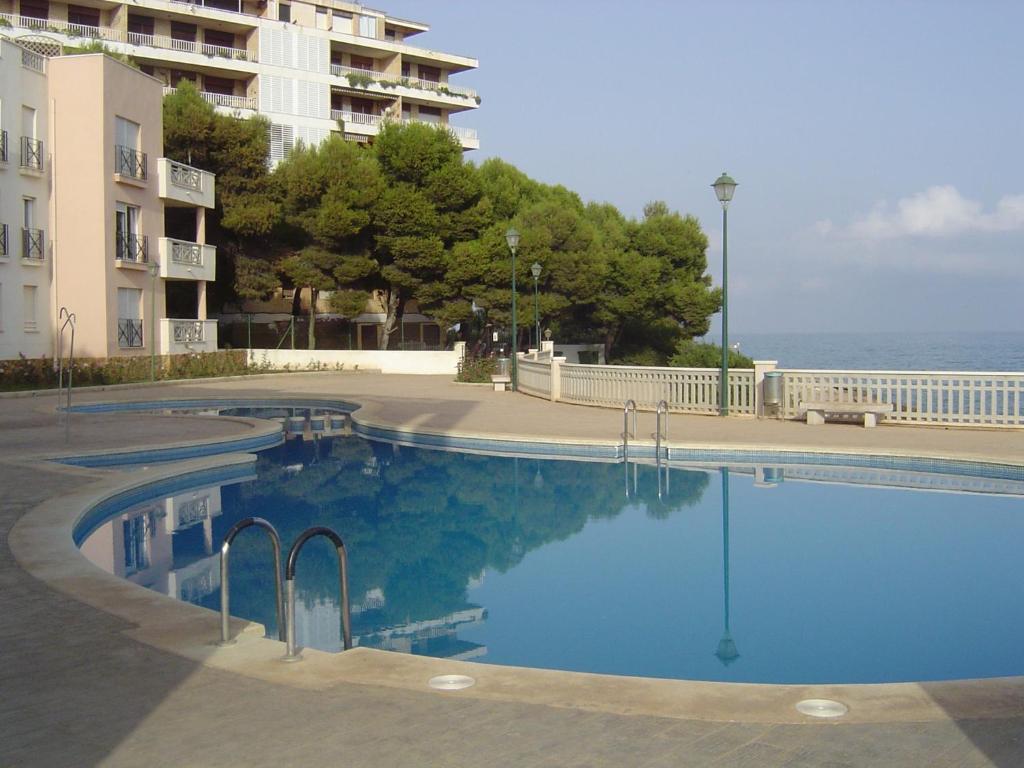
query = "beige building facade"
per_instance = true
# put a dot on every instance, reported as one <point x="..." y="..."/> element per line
<point x="109" y="200"/>
<point x="310" y="68"/>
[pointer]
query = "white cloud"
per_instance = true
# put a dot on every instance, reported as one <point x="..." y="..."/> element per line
<point x="937" y="212"/>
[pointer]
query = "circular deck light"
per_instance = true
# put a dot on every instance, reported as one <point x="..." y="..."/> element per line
<point x="451" y="682"/>
<point x="821" y="708"/>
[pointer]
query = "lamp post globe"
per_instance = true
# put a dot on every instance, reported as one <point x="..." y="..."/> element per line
<point x="535" y="270"/>
<point x="724" y="187"/>
<point x="512" y="238"/>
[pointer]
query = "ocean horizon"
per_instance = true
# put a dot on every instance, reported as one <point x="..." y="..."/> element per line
<point x="996" y="351"/>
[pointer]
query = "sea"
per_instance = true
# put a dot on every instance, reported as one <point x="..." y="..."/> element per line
<point x="1001" y="351"/>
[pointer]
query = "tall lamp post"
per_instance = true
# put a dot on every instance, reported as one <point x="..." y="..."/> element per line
<point x="512" y="238"/>
<point x="724" y="187"/>
<point x="535" y="271"/>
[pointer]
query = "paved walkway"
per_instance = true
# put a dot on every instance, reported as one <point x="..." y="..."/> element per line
<point x="78" y="690"/>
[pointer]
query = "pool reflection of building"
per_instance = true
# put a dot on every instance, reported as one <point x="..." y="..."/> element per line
<point x="154" y="544"/>
<point x="317" y="622"/>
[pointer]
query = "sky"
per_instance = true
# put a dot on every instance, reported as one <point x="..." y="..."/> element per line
<point x="878" y="146"/>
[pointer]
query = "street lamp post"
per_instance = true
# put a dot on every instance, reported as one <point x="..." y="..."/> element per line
<point x="154" y="270"/>
<point x="512" y="238"/>
<point x="535" y="270"/>
<point x="724" y="187"/>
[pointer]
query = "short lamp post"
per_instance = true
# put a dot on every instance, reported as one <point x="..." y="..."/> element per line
<point x="512" y="238"/>
<point x="724" y="187"/>
<point x="535" y="271"/>
<point x="154" y="270"/>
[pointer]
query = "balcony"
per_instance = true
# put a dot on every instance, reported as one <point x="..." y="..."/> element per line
<point x="184" y="185"/>
<point x="370" y="125"/>
<point x="184" y="260"/>
<point x="129" y="333"/>
<point x="33" y="245"/>
<point x="383" y="82"/>
<point x="182" y="337"/>
<point x="32" y="154"/>
<point x="130" y="165"/>
<point x="189" y="46"/>
<point x="131" y="249"/>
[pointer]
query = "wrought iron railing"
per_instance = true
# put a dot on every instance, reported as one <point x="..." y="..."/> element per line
<point x="187" y="331"/>
<point x="193" y="511"/>
<point x="184" y="252"/>
<point x="3" y="240"/>
<point x="132" y="248"/>
<point x="129" y="332"/>
<point x="31" y="153"/>
<point x="32" y="244"/>
<point x="3" y="146"/>
<point x="130" y="162"/>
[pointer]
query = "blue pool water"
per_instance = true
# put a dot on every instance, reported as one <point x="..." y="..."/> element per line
<point x="795" y="574"/>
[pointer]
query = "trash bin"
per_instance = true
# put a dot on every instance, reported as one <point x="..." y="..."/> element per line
<point x="772" y="391"/>
<point x="503" y="366"/>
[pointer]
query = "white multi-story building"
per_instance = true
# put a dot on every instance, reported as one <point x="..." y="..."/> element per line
<point x="310" y="68"/>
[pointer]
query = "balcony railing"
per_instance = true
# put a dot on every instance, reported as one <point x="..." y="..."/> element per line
<point x="134" y="248"/>
<point x="33" y="244"/>
<point x="184" y="252"/>
<point x="129" y="332"/>
<point x="130" y="162"/>
<point x="222" y="99"/>
<point x="3" y="146"/>
<point x="187" y="331"/>
<point x="357" y="118"/>
<point x="3" y="240"/>
<point x="32" y="60"/>
<point x="186" y="177"/>
<point x="189" y="46"/>
<point x="63" y="27"/>
<point x="31" y="153"/>
<point x="357" y="76"/>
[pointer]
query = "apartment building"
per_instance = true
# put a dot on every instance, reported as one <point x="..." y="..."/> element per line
<point x="109" y="229"/>
<point x="310" y="68"/>
<point x="24" y="204"/>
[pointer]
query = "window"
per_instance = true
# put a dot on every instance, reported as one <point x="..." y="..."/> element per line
<point x="363" y="106"/>
<point x="219" y="39"/>
<point x="28" y="208"/>
<point x="35" y="9"/>
<point x="137" y="531"/>
<point x="129" y="245"/>
<point x="430" y="114"/>
<point x="28" y="121"/>
<point x="430" y="74"/>
<point x="221" y="85"/>
<point x="406" y="69"/>
<point x="368" y="26"/>
<point x="126" y="133"/>
<point x="128" y="160"/>
<point x="140" y="25"/>
<point x="1" y="307"/>
<point x="361" y="62"/>
<point x="28" y="306"/>
<point x="284" y="12"/>
<point x="129" y="317"/>
<point x="31" y="237"/>
<point x="341" y="21"/>
<point x="177" y="76"/>
<point x="321" y="18"/>
<point x="183" y="32"/>
<point x="84" y="17"/>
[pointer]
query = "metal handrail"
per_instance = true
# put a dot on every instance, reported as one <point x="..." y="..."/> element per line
<point x="630" y="405"/>
<point x="294" y="654"/>
<point x="69" y="319"/>
<point x="661" y="433"/>
<point x="225" y="595"/>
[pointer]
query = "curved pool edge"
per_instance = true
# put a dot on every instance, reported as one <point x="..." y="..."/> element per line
<point x="42" y="544"/>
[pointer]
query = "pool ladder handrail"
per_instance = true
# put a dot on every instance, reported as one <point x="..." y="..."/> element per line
<point x="225" y="597"/>
<point x="295" y="654"/>
<point x="630" y="405"/>
<point x="661" y="434"/>
<point x="69" y="320"/>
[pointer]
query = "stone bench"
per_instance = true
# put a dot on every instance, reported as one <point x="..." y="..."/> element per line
<point x="500" y="382"/>
<point x="870" y="411"/>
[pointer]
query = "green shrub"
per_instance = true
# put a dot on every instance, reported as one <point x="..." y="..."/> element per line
<point x="476" y="369"/>
<point x="41" y="373"/>
<point x="692" y="354"/>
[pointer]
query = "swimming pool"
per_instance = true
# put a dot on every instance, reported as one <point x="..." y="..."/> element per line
<point x="739" y="572"/>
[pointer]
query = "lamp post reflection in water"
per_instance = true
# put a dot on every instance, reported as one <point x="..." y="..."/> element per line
<point x="726" y="651"/>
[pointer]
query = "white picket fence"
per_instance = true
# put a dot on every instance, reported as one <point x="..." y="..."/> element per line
<point x="918" y="397"/>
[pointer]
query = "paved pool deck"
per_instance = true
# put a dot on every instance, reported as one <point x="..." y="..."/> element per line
<point x="93" y="676"/>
